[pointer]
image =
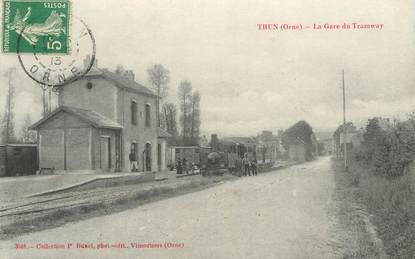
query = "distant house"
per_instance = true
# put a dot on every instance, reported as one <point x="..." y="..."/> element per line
<point x="102" y="119"/>
<point x="354" y="139"/>
<point x="297" y="151"/>
<point x="268" y="146"/>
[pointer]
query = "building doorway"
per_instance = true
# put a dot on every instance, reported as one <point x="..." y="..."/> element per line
<point x="133" y="157"/>
<point x="105" y="153"/>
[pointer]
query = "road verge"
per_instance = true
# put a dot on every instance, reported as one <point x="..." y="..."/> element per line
<point x="354" y="217"/>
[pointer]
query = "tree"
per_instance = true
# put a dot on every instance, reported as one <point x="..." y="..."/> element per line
<point x="185" y="96"/>
<point x="301" y="132"/>
<point x="195" y="119"/>
<point x="169" y="114"/>
<point x="159" y="77"/>
<point x="7" y="125"/>
<point x="26" y="135"/>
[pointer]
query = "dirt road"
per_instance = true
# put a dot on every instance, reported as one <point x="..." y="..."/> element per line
<point x="290" y="213"/>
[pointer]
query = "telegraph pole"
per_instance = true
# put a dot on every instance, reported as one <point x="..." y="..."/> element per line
<point x="344" y="124"/>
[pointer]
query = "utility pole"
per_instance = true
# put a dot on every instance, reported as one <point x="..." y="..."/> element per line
<point x="344" y="124"/>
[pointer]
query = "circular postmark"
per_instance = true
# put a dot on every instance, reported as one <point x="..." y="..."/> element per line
<point x="57" y="70"/>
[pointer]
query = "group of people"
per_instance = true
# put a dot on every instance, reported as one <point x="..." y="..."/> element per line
<point x="183" y="166"/>
<point x="249" y="166"/>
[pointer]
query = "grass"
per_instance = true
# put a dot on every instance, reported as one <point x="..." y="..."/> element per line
<point x="351" y="213"/>
<point x="390" y="201"/>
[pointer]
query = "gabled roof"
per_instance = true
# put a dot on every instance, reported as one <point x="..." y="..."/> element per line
<point x="241" y="140"/>
<point x="121" y="81"/>
<point x="94" y="118"/>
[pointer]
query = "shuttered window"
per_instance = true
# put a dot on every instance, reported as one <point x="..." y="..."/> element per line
<point x="148" y="115"/>
<point x="133" y="113"/>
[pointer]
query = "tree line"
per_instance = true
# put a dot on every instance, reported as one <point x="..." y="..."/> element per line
<point x="388" y="147"/>
<point x="8" y="129"/>
<point x="189" y="107"/>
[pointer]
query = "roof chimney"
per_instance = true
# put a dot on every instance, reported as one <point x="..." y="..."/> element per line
<point x="129" y="74"/>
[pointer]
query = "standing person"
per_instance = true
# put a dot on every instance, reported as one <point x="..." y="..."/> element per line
<point x="185" y="165"/>
<point x="133" y="162"/>
<point x="179" y="166"/>
<point x="245" y="163"/>
<point x="254" y="167"/>
<point x="231" y="162"/>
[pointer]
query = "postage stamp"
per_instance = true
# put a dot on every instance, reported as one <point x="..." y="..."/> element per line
<point x="35" y="26"/>
<point x="57" y="70"/>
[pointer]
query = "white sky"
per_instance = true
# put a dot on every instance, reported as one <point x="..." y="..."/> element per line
<point x="254" y="80"/>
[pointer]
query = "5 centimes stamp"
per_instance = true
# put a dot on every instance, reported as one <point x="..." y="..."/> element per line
<point x="58" y="70"/>
<point x="42" y="24"/>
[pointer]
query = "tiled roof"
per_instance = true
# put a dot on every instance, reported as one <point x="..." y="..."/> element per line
<point x="96" y="119"/>
<point x="241" y="140"/>
<point x="121" y="81"/>
<point x="92" y="117"/>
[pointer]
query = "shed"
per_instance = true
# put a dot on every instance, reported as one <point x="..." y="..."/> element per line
<point x="77" y="139"/>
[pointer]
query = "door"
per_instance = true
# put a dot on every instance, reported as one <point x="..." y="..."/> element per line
<point x="105" y="153"/>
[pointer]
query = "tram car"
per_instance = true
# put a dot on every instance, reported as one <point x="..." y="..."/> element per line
<point x="240" y="148"/>
<point x="194" y="155"/>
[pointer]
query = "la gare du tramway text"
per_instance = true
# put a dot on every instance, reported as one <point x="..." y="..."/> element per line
<point x="316" y="26"/>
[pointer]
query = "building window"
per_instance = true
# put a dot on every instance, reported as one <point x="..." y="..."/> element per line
<point x="133" y="113"/>
<point x="148" y="115"/>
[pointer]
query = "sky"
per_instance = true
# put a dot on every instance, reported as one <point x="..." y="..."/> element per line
<point x="252" y="80"/>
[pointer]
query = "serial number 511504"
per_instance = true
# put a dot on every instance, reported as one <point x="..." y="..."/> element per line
<point x="54" y="5"/>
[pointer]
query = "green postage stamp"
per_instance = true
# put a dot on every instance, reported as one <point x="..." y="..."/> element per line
<point x="35" y="26"/>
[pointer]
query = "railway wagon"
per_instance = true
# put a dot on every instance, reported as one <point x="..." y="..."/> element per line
<point x="193" y="154"/>
<point x="240" y="149"/>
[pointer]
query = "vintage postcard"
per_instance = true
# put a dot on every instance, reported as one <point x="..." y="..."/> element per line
<point x="207" y="129"/>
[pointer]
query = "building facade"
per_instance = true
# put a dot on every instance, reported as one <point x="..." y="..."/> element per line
<point x="268" y="146"/>
<point x="104" y="121"/>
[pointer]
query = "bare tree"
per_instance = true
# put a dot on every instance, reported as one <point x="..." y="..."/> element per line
<point x="195" y="119"/>
<point x="185" y="96"/>
<point x="7" y="125"/>
<point x="26" y="135"/>
<point x="159" y="77"/>
<point x="169" y="113"/>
